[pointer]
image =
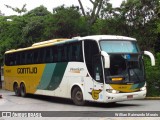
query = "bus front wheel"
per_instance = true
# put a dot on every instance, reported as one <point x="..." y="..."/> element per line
<point x="77" y="96"/>
<point x="16" y="89"/>
<point x="23" y="90"/>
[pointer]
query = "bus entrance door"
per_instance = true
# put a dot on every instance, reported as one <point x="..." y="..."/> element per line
<point x="98" y="86"/>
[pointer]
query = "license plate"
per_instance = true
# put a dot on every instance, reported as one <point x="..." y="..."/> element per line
<point x="129" y="96"/>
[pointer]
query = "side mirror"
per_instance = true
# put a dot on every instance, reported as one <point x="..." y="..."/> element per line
<point x="106" y="59"/>
<point x="151" y="57"/>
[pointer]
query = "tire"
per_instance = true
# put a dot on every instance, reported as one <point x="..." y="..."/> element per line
<point x="23" y="90"/>
<point x="16" y="89"/>
<point x="77" y="96"/>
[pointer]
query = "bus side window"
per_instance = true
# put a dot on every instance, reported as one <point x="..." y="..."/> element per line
<point x="55" y="54"/>
<point x="13" y="59"/>
<point x="79" y="53"/>
<point x="22" y="60"/>
<point x="59" y="53"/>
<point x="29" y="57"/>
<point x="62" y="54"/>
<point x="18" y="56"/>
<point x="35" y="57"/>
<point x="10" y="59"/>
<point x="47" y="55"/>
<point x="75" y="52"/>
<point x="7" y="60"/>
<point x="70" y="52"/>
<point x="41" y="56"/>
<point x="65" y="54"/>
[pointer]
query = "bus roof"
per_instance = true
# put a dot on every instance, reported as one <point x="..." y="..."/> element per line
<point x="65" y="40"/>
<point x="107" y="37"/>
<point x="40" y="44"/>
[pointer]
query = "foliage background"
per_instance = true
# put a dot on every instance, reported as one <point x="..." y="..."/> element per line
<point x="134" y="18"/>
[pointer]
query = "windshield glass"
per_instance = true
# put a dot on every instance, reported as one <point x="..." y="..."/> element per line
<point x="125" y="68"/>
<point x="126" y="63"/>
<point x="119" y="46"/>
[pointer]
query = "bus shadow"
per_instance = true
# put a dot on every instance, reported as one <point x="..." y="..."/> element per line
<point x="111" y="105"/>
<point x="50" y="99"/>
<point x="88" y="104"/>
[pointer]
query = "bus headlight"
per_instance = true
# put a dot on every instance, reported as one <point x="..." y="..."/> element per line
<point x="112" y="91"/>
<point x="143" y="88"/>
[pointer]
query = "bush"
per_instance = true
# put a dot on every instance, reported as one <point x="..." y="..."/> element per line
<point x="153" y="76"/>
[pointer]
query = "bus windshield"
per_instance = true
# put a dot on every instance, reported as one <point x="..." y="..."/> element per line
<point x="126" y="63"/>
<point x="119" y="46"/>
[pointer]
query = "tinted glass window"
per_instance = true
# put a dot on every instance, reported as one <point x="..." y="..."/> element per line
<point x="58" y="53"/>
<point x="90" y="49"/>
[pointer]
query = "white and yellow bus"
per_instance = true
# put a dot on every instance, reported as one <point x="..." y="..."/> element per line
<point x="99" y="68"/>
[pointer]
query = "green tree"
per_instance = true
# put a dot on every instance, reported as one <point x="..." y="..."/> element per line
<point x="35" y="25"/>
<point x="18" y="10"/>
<point x="140" y="17"/>
<point x="38" y="11"/>
<point x="153" y="76"/>
<point x="10" y="34"/>
<point x="96" y="11"/>
<point x="67" y="22"/>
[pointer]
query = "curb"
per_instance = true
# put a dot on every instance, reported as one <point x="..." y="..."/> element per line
<point x="152" y="98"/>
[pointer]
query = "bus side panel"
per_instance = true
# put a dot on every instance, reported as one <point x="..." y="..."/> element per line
<point x="64" y="77"/>
<point x="51" y="78"/>
<point x="78" y="76"/>
<point x="30" y="75"/>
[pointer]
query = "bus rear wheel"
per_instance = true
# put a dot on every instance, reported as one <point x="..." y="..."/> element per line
<point x="16" y="89"/>
<point x="77" y="96"/>
<point x="22" y="90"/>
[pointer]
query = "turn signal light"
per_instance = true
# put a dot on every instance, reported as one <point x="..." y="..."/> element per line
<point x="117" y="79"/>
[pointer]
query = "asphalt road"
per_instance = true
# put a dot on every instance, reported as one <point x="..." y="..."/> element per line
<point x="10" y="102"/>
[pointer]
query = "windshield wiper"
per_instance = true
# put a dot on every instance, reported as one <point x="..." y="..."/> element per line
<point x="136" y="74"/>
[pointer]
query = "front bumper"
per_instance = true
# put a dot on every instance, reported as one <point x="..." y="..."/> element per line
<point x="110" y="97"/>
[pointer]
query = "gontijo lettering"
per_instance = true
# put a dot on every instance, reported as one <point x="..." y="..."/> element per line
<point x="27" y="70"/>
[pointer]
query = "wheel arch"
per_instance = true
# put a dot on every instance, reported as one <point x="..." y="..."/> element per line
<point x="74" y="86"/>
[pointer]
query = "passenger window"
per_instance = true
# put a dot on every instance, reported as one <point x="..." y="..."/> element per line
<point x="41" y="56"/>
<point x="29" y="56"/>
<point x="47" y="55"/>
<point x="75" y="52"/>
<point x="55" y="54"/>
<point x="35" y="57"/>
<point x="18" y="56"/>
<point x="59" y="53"/>
<point x="23" y="61"/>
